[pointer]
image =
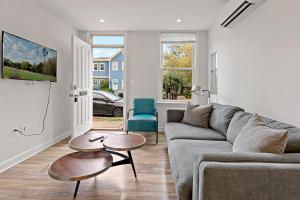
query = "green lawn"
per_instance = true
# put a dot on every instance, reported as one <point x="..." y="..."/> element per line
<point x="10" y="72"/>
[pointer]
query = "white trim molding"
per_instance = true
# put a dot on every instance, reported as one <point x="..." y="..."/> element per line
<point x="4" y="165"/>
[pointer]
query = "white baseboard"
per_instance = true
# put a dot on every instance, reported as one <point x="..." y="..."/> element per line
<point x="31" y="152"/>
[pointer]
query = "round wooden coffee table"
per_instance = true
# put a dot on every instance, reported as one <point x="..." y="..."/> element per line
<point x="82" y="143"/>
<point x="79" y="166"/>
<point x="124" y="142"/>
<point x="111" y="143"/>
<point x="94" y="156"/>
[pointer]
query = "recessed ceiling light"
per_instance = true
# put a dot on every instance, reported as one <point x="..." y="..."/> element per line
<point x="178" y="20"/>
<point x="101" y="20"/>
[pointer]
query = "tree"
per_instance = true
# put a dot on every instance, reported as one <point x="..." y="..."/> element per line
<point x="8" y="62"/>
<point x="172" y="85"/>
<point x="104" y="85"/>
<point x="177" y="56"/>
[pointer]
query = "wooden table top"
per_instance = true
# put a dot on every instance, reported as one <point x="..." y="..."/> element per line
<point x="112" y="141"/>
<point x="80" y="165"/>
<point x="124" y="142"/>
<point x="82" y="143"/>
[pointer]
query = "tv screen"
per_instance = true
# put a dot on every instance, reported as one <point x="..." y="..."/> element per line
<point x="26" y="60"/>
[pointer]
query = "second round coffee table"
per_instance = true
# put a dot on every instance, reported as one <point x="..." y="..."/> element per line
<point x="124" y="142"/>
<point x="79" y="166"/>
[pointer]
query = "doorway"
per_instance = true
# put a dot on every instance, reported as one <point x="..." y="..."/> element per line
<point x="108" y="81"/>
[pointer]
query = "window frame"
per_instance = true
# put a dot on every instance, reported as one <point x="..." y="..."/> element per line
<point x="193" y="69"/>
<point x="117" y="83"/>
<point x="96" y="82"/>
<point x="99" y="67"/>
<point x="113" y="67"/>
<point x="213" y="60"/>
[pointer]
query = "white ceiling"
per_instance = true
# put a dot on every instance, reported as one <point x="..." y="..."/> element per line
<point x="137" y="14"/>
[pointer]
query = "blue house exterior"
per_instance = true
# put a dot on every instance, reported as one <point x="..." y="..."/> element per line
<point x="116" y="72"/>
<point x="111" y="70"/>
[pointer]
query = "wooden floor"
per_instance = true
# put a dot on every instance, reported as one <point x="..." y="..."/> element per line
<point x="30" y="180"/>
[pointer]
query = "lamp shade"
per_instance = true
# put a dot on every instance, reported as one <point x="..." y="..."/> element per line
<point x="196" y="88"/>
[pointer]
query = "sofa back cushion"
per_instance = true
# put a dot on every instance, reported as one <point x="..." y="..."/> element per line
<point x="221" y="116"/>
<point x="241" y="118"/>
<point x="293" y="145"/>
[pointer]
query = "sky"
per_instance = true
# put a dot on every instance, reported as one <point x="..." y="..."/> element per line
<point x="106" y="40"/>
<point x="104" y="52"/>
<point x="18" y="50"/>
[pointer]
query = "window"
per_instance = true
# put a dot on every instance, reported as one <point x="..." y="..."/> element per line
<point x="115" y="84"/>
<point x="177" y="65"/>
<point x="122" y="66"/>
<point x="95" y="81"/>
<point x="107" y="40"/>
<point x="102" y="66"/>
<point x="213" y="74"/>
<point x="115" y="66"/>
<point x="95" y="66"/>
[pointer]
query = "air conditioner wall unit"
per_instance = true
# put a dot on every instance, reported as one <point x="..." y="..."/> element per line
<point x="236" y="10"/>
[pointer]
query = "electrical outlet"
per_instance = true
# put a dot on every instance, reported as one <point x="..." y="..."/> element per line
<point x="14" y="130"/>
<point x="17" y="129"/>
<point x="24" y="129"/>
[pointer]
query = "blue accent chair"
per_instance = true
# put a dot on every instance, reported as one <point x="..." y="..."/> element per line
<point x="144" y="118"/>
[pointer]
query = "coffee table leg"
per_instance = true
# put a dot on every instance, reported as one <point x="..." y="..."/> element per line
<point x="76" y="189"/>
<point x="131" y="162"/>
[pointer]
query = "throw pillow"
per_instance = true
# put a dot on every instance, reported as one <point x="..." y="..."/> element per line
<point x="257" y="137"/>
<point x="197" y="115"/>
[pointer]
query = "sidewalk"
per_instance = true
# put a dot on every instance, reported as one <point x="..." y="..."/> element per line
<point x="108" y="122"/>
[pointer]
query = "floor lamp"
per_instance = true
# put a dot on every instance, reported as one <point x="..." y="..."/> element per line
<point x="196" y="89"/>
<point x="208" y="94"/>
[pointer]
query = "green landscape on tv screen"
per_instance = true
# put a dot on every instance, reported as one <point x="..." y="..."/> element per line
<point x="26" y="60"/>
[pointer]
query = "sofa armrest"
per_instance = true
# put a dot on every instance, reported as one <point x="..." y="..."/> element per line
<point x="241" y="175"/>
<point x="175" y="115"/>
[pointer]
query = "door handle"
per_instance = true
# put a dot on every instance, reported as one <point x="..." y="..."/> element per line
<point x="82" y="93"/>
<point x="75" y="98"/>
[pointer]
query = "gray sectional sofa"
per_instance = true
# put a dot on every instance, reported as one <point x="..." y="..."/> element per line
<point x="205" y="168"/>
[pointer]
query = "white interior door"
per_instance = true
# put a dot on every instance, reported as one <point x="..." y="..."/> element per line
<point x="82" y="87"/>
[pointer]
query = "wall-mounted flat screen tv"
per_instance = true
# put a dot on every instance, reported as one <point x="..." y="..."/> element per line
<point x="26" y="60"/>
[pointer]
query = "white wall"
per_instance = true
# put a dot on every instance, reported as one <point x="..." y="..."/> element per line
<point x="143" y="68"/>
<point x="259" y="61"/>
<point x="23" y="103"/>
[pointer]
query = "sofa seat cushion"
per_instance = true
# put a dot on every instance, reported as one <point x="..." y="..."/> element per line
<point x="182" y="154"/>
<point x="174" y="130"/>
<point x="142" y="122"/>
